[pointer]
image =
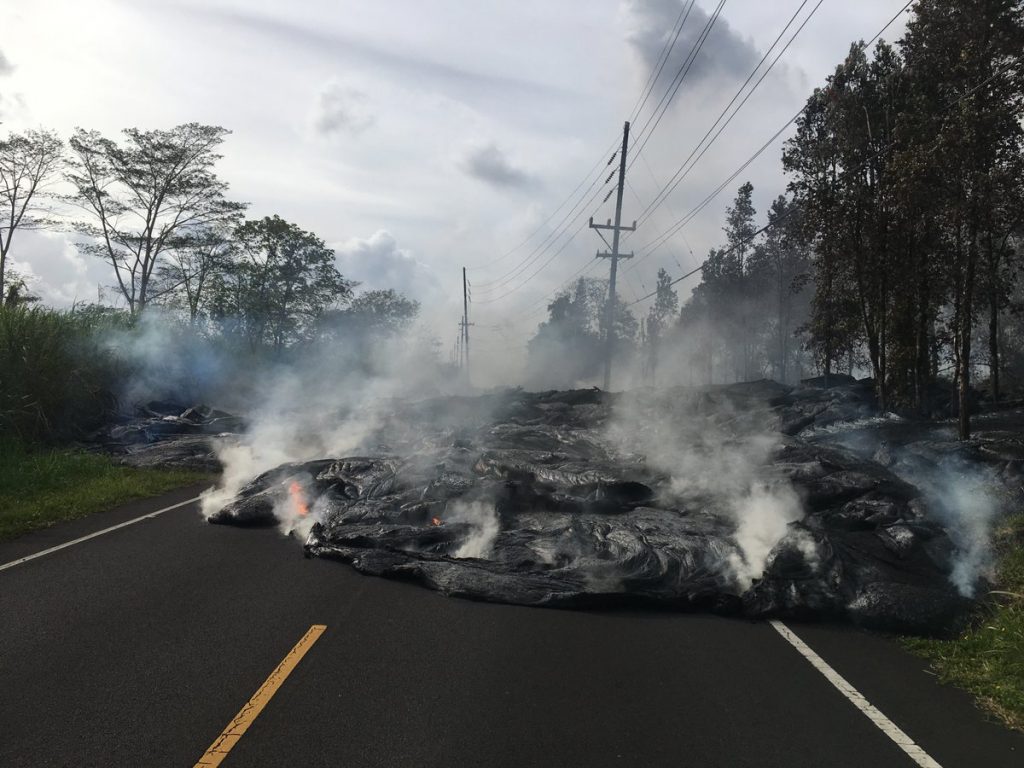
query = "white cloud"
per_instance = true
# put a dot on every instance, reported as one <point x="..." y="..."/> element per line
<point x="56" y="271"/>
<point x="377" y="263"/>
<point x="6" y="67"/>
<point x="340" y="109"/>
<point x="492" y="166"/>
<point x="422" y="89"/>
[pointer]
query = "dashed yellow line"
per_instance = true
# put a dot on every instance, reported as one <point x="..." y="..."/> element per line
<point x="245" y="717"/>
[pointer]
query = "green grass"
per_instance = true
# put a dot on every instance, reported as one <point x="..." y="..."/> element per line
<point x="57" y="377"/>
<point x="40" y="487"/>
<point x="988" y="658"/>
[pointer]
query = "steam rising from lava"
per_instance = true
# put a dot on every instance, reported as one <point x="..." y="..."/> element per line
<point x="336" y="401"/>
<point x="722" y="458"/>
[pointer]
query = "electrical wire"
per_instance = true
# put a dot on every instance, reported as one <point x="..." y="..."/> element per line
<point x="544" y="223"/>
<point x="653" y="245"/>
<point x="682" y="171"/>
<point x="645" y="133"/>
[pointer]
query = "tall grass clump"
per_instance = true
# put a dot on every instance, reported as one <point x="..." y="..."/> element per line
<point x="988" y="658"/>
<point x="57" y="378"/>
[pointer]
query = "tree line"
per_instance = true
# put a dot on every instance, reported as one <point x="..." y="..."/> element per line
<point x="153" y="208"/>
<point x="895" y="251"/>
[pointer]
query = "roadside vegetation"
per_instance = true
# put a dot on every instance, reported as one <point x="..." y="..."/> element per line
<point x="896" y="249"/>
<point x="42" y="486"/>
<point x="58" y="382"/>
<point x="988" y="659"/>
<point x="56" y="378"/>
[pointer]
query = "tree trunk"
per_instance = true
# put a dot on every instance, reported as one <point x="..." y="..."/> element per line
<point x="710" y="360"/>
<point x="963" y="333"/>
<point x="993" y="343"/>
<point x="3" y="271"/>
<point x="922" y="358"/>
<point x="783" y="323"/>
<point x="964" y="379"/>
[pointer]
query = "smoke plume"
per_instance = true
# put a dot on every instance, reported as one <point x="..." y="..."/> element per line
<point x="719" y="459"/>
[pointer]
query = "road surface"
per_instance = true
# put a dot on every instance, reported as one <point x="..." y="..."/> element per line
<point x="139" y="646"/>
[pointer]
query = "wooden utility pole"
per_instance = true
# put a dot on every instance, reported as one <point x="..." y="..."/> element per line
<point x="465" y="323"/>
<point x="614" y="255"/>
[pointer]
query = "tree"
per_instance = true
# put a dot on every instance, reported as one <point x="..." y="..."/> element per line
<point x="664" y="309"/>
<point x="280" y="283"/>
<point x="189" y="269"/>
<point x="739" y="230"/>
<point x="28" y="163"/>
<point x="841" y="159"/>
<point x="383" y="313"/>
<point x="967" y="58"/>
<point x="567" y="347"/>
<point x="370" y="317"/>
<point x="144" y="196"/>
<point x="18" y="291"/>
<point x="781" y="265"/>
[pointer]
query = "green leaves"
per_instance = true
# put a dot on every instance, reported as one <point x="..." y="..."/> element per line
<point x="282" y="279"/>
<point x="142" y="196"/>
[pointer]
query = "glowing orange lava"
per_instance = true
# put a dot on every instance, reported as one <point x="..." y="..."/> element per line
<point x="298" y="499"/>
<point x="435" y="521"/>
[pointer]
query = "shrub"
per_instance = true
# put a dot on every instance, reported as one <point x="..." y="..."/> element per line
<point x="57" y="380"/>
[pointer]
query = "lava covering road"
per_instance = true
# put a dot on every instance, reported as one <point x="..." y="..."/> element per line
<point x="687" y="499"/>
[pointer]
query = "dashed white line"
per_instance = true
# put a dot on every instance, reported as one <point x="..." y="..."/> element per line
<point x="79" y="540"/>
<point x="887" y="726"/>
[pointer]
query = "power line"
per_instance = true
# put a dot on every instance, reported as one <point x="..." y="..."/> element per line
<point x="539" y="251"/>
<point x="745" y="241"/>
<point x="666" y="51"/>
<point x="543" y="224"/>
<point x="676" y="83"/>
<point x="663" y="105"/>
<point x="682" y="171"/>
<point x="657" y="115"/>
<point x="539" y="269"/>
<point x="672" y="230"/>
<point x="653" y="245"/>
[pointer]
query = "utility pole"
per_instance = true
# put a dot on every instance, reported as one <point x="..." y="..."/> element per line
<point x="465" y="322"/>
<point x="614" y="255"/>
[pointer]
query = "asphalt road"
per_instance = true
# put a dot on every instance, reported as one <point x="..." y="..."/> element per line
<point x="137" y="648"/>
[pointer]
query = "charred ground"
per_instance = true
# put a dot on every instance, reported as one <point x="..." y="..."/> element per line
<point x="734" y="499"/>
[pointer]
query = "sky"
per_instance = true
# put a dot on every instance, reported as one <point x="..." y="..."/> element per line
<point x="420" y="136"/>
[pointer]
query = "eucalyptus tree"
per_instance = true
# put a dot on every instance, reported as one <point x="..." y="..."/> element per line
<point x="967" y="57"/>
<point x="280" y="282"/>
<point x="29" y="163"/>
<point x="143" y="196"/>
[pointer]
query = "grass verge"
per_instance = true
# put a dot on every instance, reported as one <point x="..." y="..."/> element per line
<point x="40" y="487"/>
<point x="988" y="658"/>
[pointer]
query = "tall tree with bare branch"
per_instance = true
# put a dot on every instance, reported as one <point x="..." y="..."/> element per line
<point x="29" y="163"/>
<point x="143" y="197"/>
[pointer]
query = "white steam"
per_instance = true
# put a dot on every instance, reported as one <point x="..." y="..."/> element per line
<point x="962" y="498"/>
<point x="325" y="405"/>
<point x="958" y="493"/>
<point x="763" y="514"/>
<point x="719" y="458"/>
<point x="483" y="524"/>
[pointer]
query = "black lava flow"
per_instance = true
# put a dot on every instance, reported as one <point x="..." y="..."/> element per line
<point x="523" y="498"/>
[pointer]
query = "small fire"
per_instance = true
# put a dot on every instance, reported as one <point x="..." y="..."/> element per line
<point x="435" y="521"/>
<point x="298" y="499"/>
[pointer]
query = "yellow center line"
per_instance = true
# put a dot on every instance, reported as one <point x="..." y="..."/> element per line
<point x="245" y="717"/>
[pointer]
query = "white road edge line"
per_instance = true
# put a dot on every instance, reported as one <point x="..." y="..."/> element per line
<point x="71" y="543"/>
<point x="887" y="726"/>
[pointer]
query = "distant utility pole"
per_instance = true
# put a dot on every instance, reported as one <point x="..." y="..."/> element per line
<point x="614" y="255"/>
<point x="465" y="322"/>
